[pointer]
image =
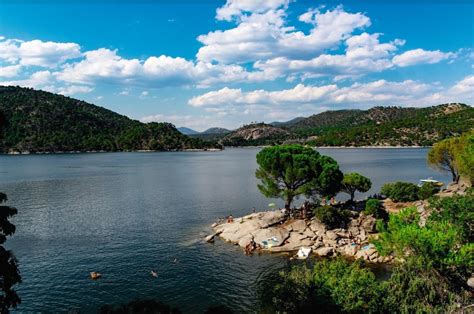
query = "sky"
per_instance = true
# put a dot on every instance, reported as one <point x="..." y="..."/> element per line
<point x="206" y="63"/>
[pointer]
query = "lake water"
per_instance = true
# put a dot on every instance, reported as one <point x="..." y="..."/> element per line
<point x="125" y="214"/>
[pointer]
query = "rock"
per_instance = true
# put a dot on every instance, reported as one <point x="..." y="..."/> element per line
<point x="348" y="249"/>
<point x="317" y="227"/>
<point x="209" y="238"/>
<point x="269" y="218"/>
<point x="470" y="282"/>
<point x="245" y="240"/>
<point x="362" y="235"/>
<point x="368" y="224"/>
<point x="214" y="225"/>
<point x="325" y="251"/>
<point x="280" y="235"/>
<point x="343" y="234"/>
<point x="317" y="245"/>
<point x="331" y="235"/>
<point x="297" y="225"/>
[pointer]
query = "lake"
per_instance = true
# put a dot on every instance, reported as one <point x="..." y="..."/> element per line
<point x="125" y="214"/>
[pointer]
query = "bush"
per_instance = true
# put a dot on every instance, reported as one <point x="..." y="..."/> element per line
<point x="401" y="191"/>
<point x="374" y="207"/>
<point x="331" y="216"/>
<point x="427" y="190"/>
<point x="332" y="286"/>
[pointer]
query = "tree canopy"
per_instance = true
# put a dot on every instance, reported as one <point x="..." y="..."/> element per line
<point x="354" y="182"/>
<point x="454" y="155"/>
<point x="288" y="171"/>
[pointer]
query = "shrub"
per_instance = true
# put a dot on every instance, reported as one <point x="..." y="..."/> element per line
<point x="400" y="191"/>
<point x="374" y="207"/>
<point x="331" y="216"/>
<point x="427" y="190"/>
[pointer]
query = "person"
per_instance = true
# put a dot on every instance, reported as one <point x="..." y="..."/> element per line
<point x="230" y="219"/>
<point x="250" y="247"/>
<point x="254" y="210"/>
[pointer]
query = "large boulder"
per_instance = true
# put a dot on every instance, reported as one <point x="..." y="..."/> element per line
<point x="325" y="251"/>
<point x="278" y="234"/>
<point x="317" y="227"/>
<point x="297" y="225"/>
<point x="368" y="223"/>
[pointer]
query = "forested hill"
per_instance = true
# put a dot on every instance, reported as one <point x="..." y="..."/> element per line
<point x="385" y="126"/>
<point x="38" y="121"/>
<point x="378" y="126"/>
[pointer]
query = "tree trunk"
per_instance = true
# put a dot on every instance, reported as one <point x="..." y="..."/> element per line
<point x="454" y="174"/>
<point x="288" y="201"/>
<point x="352" y="196"/>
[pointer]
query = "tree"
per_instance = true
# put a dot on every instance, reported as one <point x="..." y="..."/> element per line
<point x="9" y="272"/>
<point x="466" y="156"/>
<point x="444" y="155"/>
<point x="288" y="171"/>
<point x="354" y="182"/>
<point x="401" y="191"/>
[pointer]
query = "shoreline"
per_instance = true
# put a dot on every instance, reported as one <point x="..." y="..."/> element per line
<point x="190" y="150"/>
<point x="340" y="147"/>
<point x="270" y="231"/>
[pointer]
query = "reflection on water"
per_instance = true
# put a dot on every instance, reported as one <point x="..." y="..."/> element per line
<point x="125" y="214"/>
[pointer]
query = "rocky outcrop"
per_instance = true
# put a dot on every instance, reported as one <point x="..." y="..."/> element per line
<point x="272" y="234"/>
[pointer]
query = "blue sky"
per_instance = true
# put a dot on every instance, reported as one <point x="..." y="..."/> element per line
<point x="225" y="63"/>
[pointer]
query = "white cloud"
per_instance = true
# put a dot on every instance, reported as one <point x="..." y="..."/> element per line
<point x="420" y="56"/>
<point x="357" y="95"/>
<point x="37" y="52"/>
<point x="364" y="54"/>
<point x="235" y="8"/>
<point x="10" y="71"/>
<point x="265" y="35"/>
<point x="46" y="80"/>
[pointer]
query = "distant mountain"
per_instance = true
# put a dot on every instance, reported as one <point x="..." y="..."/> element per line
<point x="187" y="131"/>
<point x="287" y="123"/>
<point x="37" y="121"/>
<point x="216" y="131"/>
<point x="255" y="134"/>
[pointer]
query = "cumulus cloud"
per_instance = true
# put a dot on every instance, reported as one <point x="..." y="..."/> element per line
<point x="264" y="35"/>
<point x="420" y="56"/>
<point x="235" y="8"/>
<point x="380" y="92"/>
<point x="10" y="71"/>
<point x="37" y="52"/>
<point x="46" y="80"/>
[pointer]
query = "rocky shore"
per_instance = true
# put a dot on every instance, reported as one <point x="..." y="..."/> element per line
<point x="272" y="233"/>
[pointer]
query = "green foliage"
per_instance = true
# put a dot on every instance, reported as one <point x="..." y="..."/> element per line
<point x="331" y="216"/>
<point x="465" y="159"/>
<point x="288" y="171"/>
<point x="9" y="272"/>
<point x="38" y="121"/>
<point x="400" y="191"/>
<point x="412" y="288"/>
<point x="331" y="286"/>
<point x="353" y="182"/>
<point x="374" y="207"/>
<point x="443" y="243"/>
<point x="444" y="156"/>
<point x="427" y="190"/>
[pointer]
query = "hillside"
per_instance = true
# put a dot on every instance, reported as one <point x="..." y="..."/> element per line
<point x="255" y="134"/>
<point x="37" y="121"/>
<point x="385" y="126"/>
<point x="378" y="126"/>
<point x="187" y="131"/>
